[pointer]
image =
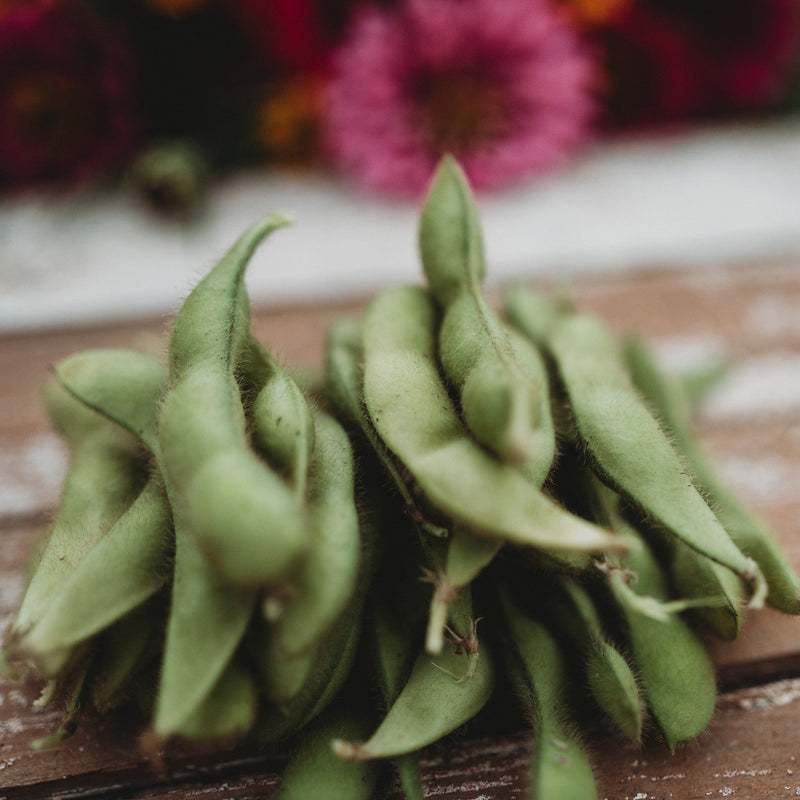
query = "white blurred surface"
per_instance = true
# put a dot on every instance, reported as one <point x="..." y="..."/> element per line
<point x="702" y="198"/>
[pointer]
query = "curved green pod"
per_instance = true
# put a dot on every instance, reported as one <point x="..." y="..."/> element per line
<point x="102" y="454"/>
<point x="504" y="400"/>
<point x="410" y="408"/>
<point x="241" y="512"/>
<point x="537" y="670"/>
<point x="675" y="672"/>
<point x="749" y="533"/>
<point x="627" y="446"/>
<point x="123" y="385"/>
<point x="282" y="422"/>
<point x="344" y="391"/>
<point x="326" y="580"/>
<point x="124" y="569"/>
<point x="208" y="618"/>
<point x="439" y="696"/>
<point x="314" y="770"/>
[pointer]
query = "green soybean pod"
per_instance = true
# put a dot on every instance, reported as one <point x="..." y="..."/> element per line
<point x="326" y="580"/>
<point x="123" y="385"/>
<point x="750" y="534"/>
<point x="283" y="425"/>
<point x="122" y="652"/>
<point x="532" y="313"/>
<point x="314" y="770"/>
<point x="131" y="562"/>
<point x="393" y="657"/>
<point x="241" y="512"/>
<point x="537" y="670"/>
<point x="438" y="697"/>
<point x="609" y="676"/>
<point x="627" y="446"/>
<point x="504" y="404"/>
<point x="227" y="711"/>
<point x="101" y="455"/>
<point x="344" y="392"/>
<point x="675" y="671"/>
<point x="410" y="408"/>
<point x="332" y="662"/>
<point x="208" y="618"/>
<point x="125" y="568"/>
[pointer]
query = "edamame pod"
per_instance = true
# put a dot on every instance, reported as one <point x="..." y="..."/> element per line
<point x="411" y="410"/>
<point x="675" y="671"/>
<point x="344" y="390"/>
<point x="125" y="568"/>
<point x="227" y="711"/>
<point x="505" y="402"/>
<point x="439" y="697"/>
<point x="243" y="515"/>
<point x="314" y="771"/>
<point x="122" y="652"/>
<point x="207" y="620"/>
<point x="102" y="454"/>
<point x="122" y="385"/>
<point x="750" y="534"/>
<point x="326" y="580"/>
<point x="627" y="446"/>
<point x="537" y="670"/>
<point x="608" y="674"/>
<point x="283" y="426"/>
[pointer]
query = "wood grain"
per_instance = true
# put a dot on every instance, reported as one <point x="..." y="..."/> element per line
<point x="747" y="313"/>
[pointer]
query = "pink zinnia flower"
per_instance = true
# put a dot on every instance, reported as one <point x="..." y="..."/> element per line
<point x="506" y="87"/>
<point x="65" y="93"/>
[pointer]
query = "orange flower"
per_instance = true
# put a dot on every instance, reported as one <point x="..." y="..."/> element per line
<point x="596" y="12"/>
<point x="286" y="126"/>
<point x="176" y="8"/>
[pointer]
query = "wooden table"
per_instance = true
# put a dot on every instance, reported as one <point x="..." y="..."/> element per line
<point x="751" y="746"/>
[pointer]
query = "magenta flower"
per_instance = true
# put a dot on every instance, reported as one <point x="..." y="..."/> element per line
<point x="65" y="109"/>
<point x="506" y="87"/>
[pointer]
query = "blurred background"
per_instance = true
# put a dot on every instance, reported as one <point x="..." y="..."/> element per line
<point x="139" y="137"/>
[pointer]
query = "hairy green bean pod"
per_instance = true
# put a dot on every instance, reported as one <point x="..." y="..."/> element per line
<point x="411" y="410"/>
<point x="537" y="670"/>
<point x="228" y="710"/>
<point x="314" y="770"/>
<point x="102" y="454"/>
<point x="749" y="533"/>
<point x="504" y="399"/>
<point x="628" y="448"/>
<point x="283" y="426"/>
<point x="438" y="697"/>
<point x="344" y="390"/>
<point x="326" y="580"/>
<point x="241" y="512"/>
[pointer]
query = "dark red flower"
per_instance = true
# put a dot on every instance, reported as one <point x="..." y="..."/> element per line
<point x="683" y="59"/>
<point x="65" y="94"/>
<point x="743" y="47"/>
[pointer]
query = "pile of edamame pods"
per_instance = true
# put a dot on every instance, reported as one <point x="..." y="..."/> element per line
<point x="468" y="501"/>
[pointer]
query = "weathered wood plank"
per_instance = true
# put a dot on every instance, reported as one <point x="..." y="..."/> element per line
<point x="749" y="314"/>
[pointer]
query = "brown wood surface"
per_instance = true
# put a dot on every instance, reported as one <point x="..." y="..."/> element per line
<point x="750" y="748"/>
